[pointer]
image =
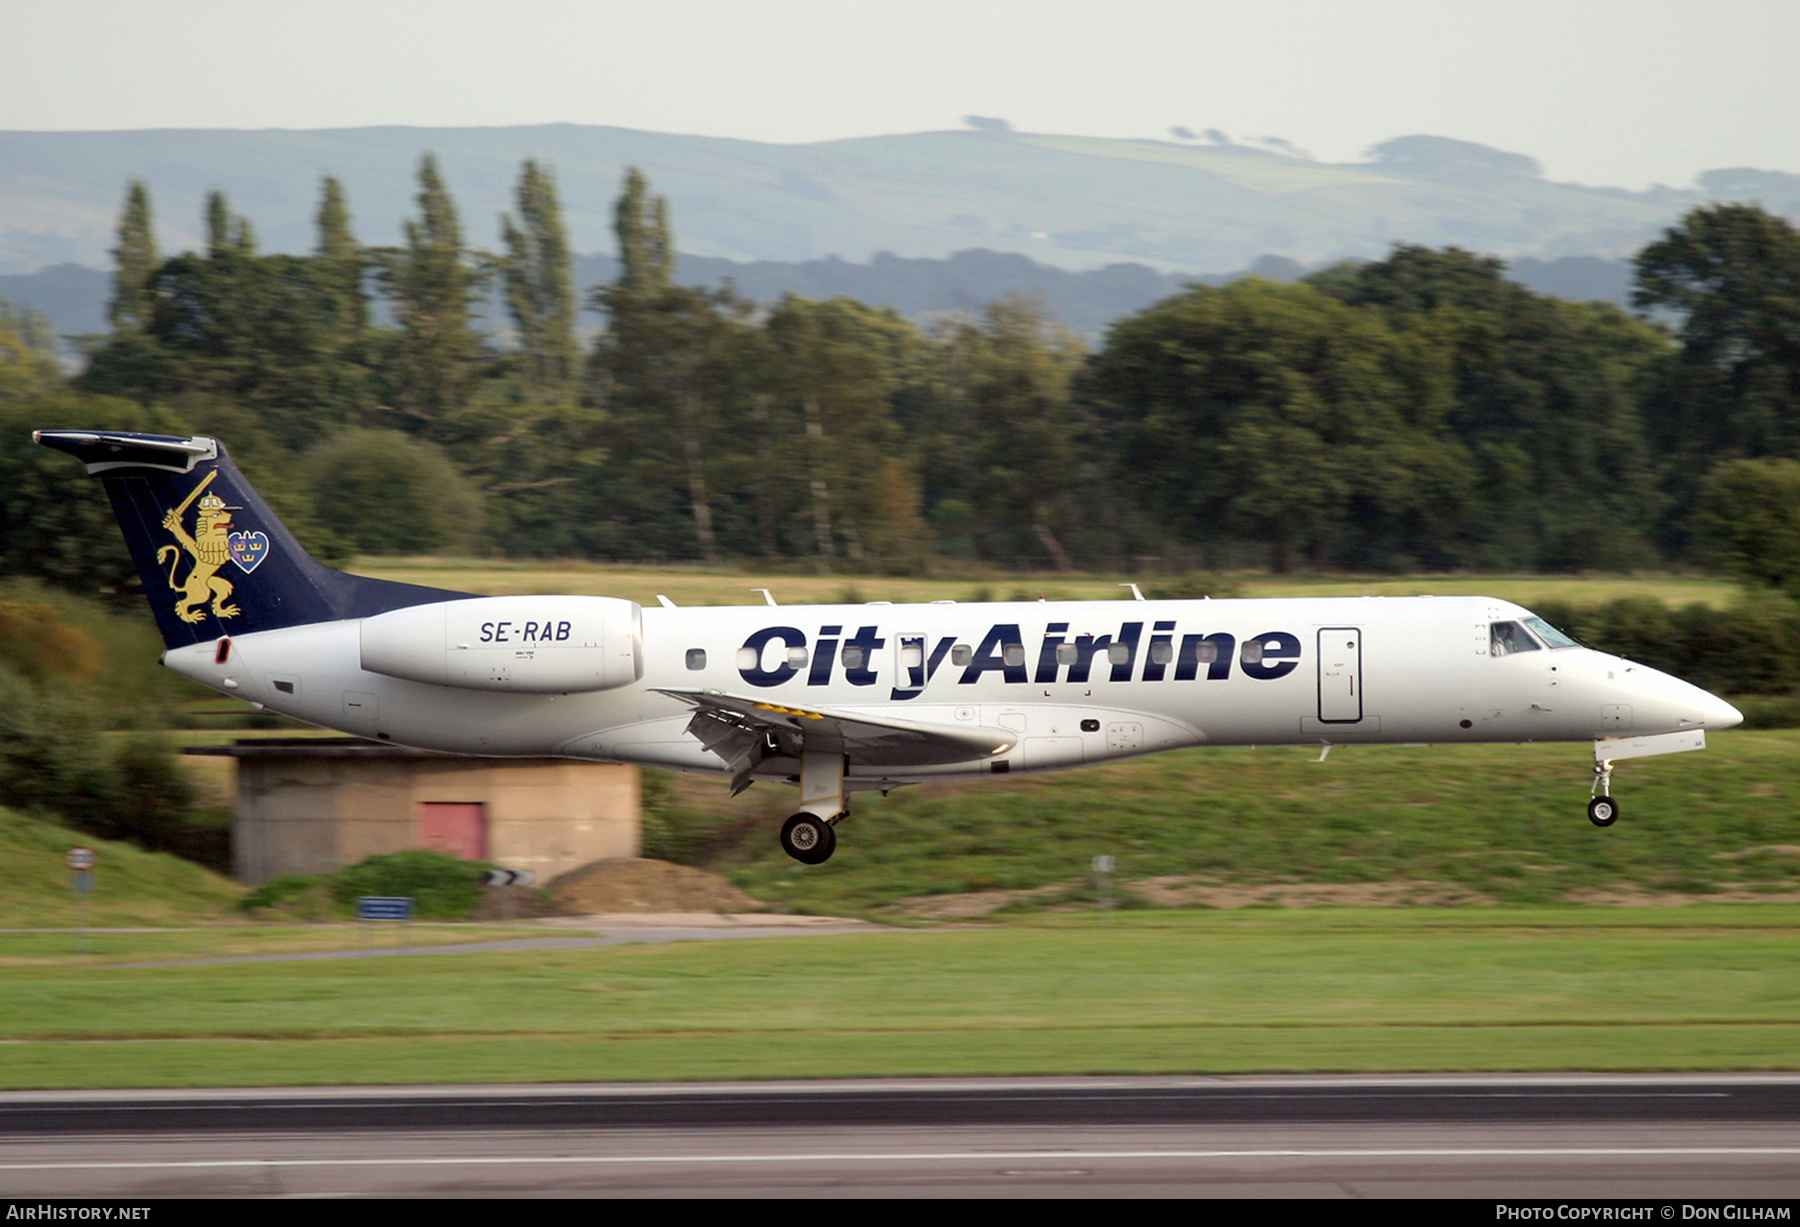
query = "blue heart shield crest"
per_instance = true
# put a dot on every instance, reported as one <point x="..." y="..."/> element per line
<point x="249" y="549"/>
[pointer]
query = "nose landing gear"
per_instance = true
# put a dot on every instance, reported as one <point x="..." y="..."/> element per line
<point x="1603" y="811"/>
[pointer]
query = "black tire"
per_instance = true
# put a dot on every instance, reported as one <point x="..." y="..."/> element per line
<point x="1603" y="811"/>
<point x="807" y="839"/>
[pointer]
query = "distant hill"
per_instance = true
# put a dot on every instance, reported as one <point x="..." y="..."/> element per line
<point x="921" y="289"/>
<point x="1066" y="202"/>
<point x="72" y="296"/>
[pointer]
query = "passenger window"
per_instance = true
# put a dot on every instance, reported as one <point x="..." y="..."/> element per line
<point x="1505" y="638"/>
<point x="1161" y="653"/>
<point x="1013" y="653"/>
<point x="1066" y="654"/>
<point x="1252" y="652"/>
<point x="1118" y="653"/>
<point x="912" y="655"/>
<point x="961" y="654"/>
<point x="1207" y="652"/>
<point x="853" y="657"/>
<point x="797" y="657"/>
<point x="747" y="659"/>
<point x="696" y="658"/>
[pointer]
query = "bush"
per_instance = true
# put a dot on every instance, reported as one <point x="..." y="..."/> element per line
<point x="1751" y="648"/>
<point x="441" y="886"/>
<point x="303" y="897"/>
<point x="55" y="760"/>
<point x="387" y="494"/>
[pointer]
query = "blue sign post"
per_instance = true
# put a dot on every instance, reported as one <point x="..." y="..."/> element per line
<point x="384" y="907"/>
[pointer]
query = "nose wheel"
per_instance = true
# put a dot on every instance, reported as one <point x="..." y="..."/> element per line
<point x="1603" y="811"/>
<point x="809" y="839"/>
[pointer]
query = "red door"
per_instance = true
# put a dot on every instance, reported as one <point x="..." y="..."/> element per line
<point x="456" y="827"/>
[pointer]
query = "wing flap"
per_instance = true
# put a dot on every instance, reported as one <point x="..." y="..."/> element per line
<point x="868" y="737"/>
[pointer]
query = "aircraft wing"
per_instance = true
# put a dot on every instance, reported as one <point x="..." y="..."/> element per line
<point x="740" y="728"/>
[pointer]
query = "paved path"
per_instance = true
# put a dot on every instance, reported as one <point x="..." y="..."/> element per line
<point x="573" y="933"/>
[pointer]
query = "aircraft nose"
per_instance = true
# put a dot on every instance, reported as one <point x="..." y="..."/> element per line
<point x="1719" y="714"/>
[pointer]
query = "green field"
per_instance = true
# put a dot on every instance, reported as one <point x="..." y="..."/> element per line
<point x="693" y="586"/>
<point x="132" y="887"/>
<point x="1231" y="826"/>
<point x="1047" y="983"/>
<point x="1708" y="987"/>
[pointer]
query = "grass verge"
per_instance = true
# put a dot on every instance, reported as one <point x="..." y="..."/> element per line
<point x="1699" y="988"/>
<point x="1470" y="823"/>
<point x="131" y="886"/>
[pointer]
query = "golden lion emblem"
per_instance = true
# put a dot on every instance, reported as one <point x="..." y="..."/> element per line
<point x="210" y="547"/>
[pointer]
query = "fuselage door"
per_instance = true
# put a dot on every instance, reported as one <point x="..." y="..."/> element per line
<point x="909" y="672"/>
<point x="1340" y="675"/>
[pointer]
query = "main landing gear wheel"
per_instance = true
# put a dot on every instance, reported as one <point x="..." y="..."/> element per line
<point x="1603" y="811"/>
<point x="808" y="839"/>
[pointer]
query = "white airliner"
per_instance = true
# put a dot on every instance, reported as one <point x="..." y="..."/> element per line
<point x="842" y="698"/>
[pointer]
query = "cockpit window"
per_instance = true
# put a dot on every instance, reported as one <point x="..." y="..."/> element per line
<point x="1506" y="638"/>
<point x="1549" y="634"/>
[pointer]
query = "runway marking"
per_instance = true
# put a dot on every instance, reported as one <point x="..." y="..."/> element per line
<point x="1010" y="1156"/>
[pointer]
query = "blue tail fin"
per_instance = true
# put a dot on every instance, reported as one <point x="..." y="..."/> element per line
<point x="214" y="559"/>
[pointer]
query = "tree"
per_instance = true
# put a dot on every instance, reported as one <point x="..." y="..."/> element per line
<point x="227" y="234"/>
<point x="835" y="371"/>
<point x="1017" y="431"/>
<point x="27" y="354"/>
<point x="390" y="494"/>
<point x="135" y="259"/>
<point x="1751" y="513"/>
<point x="662" y="371"/>
<point x="1731" y="275"/>
<point x="539" y="290"/>
<point x="55" y="522"/>
<point x="1545" y="398"/>
<point x="339" y="260"/>
<point x="1275" y="413"/>
<point x="435" y="358"/>
<point x="646" y="246"/>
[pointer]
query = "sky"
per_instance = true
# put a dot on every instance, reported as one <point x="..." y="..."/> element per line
<point x="1622" y="93"/>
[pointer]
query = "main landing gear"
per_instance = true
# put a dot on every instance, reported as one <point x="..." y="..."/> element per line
<point x="810" y="836"/>
<point x="808" y="839"/>
<point x="1603" y="811"/>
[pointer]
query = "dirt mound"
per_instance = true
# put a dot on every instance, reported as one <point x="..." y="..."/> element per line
<point x="632" y="885"/>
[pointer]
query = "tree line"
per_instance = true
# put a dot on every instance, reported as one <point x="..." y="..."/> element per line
<point x="1420" y="411"/>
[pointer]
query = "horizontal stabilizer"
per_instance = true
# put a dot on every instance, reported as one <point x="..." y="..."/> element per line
<point x="214" y="558"/>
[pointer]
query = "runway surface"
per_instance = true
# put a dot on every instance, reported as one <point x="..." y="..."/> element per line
<point x="1528" y="1136"/>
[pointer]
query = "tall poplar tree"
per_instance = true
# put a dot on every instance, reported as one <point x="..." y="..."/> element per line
<point x="646" y="248"/>
<point x="339" y="260"/>
<point x="136" y="260"/>
<point x="662" y="365"/>
<point x="432" y="288"/>
<point x="226" y="234"/>
<point x="540" y="290"/>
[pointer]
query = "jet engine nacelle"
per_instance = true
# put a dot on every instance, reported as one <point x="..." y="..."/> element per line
<point x="523" y="644"/>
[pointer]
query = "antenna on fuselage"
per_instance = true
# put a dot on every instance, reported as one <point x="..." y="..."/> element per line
<point x="1135" y="594"/>
<point x="664" y="601"/>
<point x="767" y="595"/>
